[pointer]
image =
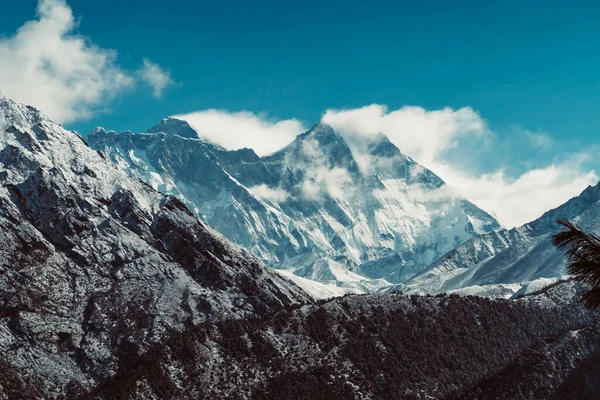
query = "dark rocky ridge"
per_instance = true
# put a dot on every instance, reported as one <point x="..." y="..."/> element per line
<point x="97" y="267"/>
<point x="382" y="347"/>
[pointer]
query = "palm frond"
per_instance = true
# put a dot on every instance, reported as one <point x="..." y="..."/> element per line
<point x="583" y="258"/>
<point x="591" y="298"/>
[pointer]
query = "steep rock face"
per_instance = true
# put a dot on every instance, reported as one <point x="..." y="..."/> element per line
<point x="96" y="267"/>
<point x="362" y="207"/>
<point x="515" y="256"/>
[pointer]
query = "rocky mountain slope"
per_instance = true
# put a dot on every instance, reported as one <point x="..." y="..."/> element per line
<point x="97" y="267"/>
<point x="506" y="262"/>
<point x="347" y="212"/>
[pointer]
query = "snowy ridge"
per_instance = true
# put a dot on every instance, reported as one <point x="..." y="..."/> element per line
<point x="318" y="290"/>
<point x="517" y="259"/>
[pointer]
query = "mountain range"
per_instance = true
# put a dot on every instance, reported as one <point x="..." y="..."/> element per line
<point x="111" y="290"/>
<point x="343" y="214"/>
<point x="509" y="261"/>
<point x="354" y="213"/>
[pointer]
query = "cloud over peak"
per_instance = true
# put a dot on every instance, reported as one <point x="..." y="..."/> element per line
<point x="442" y="139"/>
<point x="236" y="130"/>
<point x="456" y="144"/>
<point x="420" y="133"/>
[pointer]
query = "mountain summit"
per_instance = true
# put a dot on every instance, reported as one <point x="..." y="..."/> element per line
<point x="175" y="126"/>
<point x="353" y="213"/>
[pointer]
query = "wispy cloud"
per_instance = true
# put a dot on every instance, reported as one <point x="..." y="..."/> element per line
<point x="539" y="140"/>
<point x="48" y="65"/>
<point x="275" y="195"/>
<point x="157" y="78"/>
<point x="236" y="130"/>
<point x="321" y="180"/>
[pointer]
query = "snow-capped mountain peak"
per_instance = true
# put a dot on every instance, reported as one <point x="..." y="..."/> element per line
<point x="174" y="126"/>
<point x="324" y="197"/>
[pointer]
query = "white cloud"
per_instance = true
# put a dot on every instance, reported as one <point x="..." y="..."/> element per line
<point x="539" y="140"/>
<point x="155" y="76"/>
<point x="48" y="65"/>
<point x="276" y="195"/>
<point x="515" y="201"/>
<point x="428" y="135"/>
<point x="236" y="130"/>
<point x="422" y="134"/>
<point x="311" y="190"/>
<point x="322" y="180"/>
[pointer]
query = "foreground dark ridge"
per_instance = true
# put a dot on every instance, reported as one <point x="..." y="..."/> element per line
<point x="97" y="267"/>
<point x="381" y="347"/>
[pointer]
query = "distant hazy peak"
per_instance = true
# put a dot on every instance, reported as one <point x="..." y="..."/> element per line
<point x="99" y="131"/>
<point x="570" y="210"/>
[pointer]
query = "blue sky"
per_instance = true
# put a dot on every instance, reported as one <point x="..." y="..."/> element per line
<point x="529" y="70"/>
